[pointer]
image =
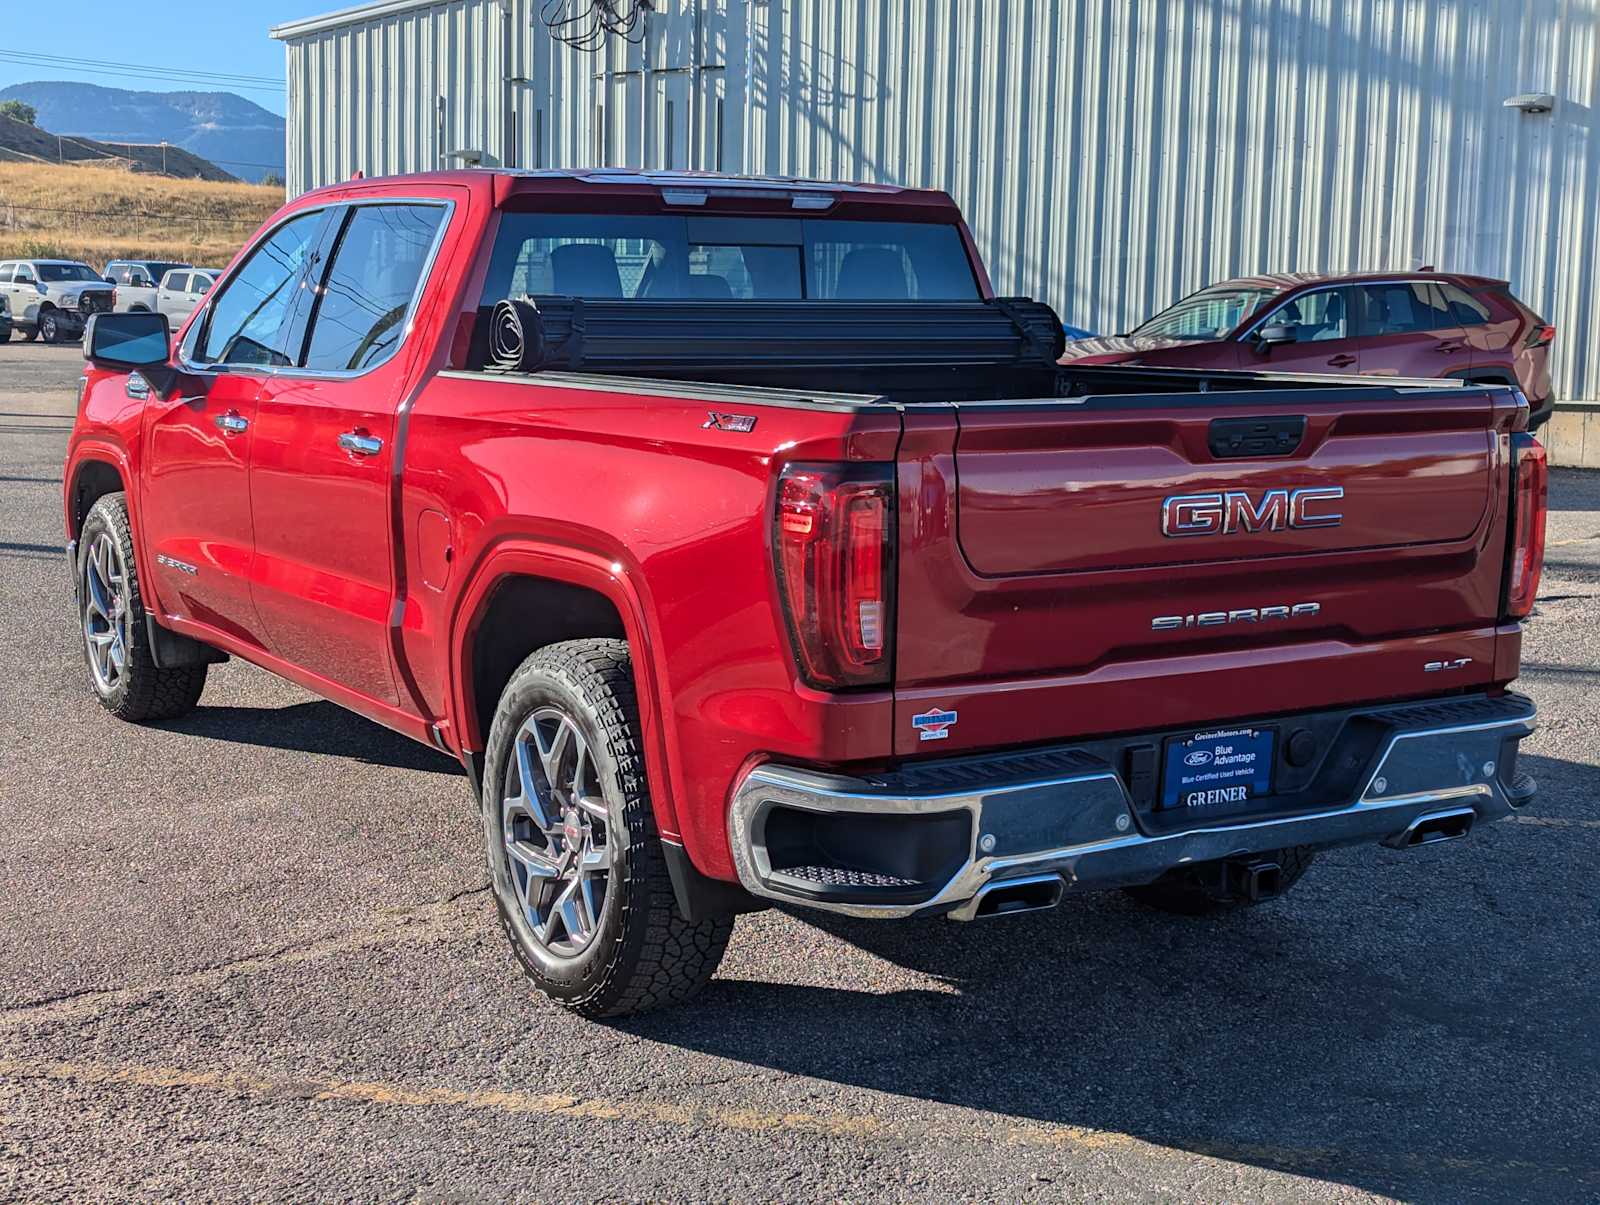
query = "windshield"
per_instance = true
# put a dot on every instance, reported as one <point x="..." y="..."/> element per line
<point x="648" y="257"/>
<point x="56" y="273"/>
<point x="1209" y="314"/>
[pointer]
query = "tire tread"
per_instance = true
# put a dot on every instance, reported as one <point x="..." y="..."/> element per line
<point x="662" y="958"/>
<point x="150" y="693"/>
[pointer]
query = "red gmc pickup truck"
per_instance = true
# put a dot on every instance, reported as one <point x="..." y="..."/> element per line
<point x="746" y="549"/>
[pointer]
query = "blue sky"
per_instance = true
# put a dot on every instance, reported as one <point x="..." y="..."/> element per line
<point x="227" y="36"/>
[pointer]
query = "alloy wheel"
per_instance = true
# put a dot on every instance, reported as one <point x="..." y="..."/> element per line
<point x="105" y="612"/>
<point x="557" y="829"/>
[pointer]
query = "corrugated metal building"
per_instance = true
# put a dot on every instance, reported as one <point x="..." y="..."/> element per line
<point x="1110" y="156"/>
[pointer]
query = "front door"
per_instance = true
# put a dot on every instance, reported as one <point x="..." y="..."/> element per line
<point x="320" y="474"/>
<point x="1407" y="330"/>
<point x="195" y="497"/>
<point x="1324" y="337"/>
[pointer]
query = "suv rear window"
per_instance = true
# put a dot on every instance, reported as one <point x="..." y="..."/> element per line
<point x="663" y="257"/>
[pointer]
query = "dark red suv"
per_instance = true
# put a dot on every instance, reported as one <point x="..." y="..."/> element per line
<point x="1401" y="324"/>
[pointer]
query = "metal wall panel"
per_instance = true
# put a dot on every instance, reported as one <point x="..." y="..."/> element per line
<point x="1109" y="157"/>
<point x="397" y="92"/>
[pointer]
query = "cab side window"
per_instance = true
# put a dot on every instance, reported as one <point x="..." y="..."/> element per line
<point x="250" y="320"/>
<point x="24" y="275"/>
<point x="361" y="313"/>
<point x="6" y="271"/>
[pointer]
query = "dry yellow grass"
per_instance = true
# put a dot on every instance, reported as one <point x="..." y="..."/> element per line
<point x="97" y="214"/>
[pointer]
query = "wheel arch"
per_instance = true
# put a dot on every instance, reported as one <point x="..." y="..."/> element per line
<point x="1490" y="376"/>
<point x="523" y="598"/>
<point x="94" y="475"/>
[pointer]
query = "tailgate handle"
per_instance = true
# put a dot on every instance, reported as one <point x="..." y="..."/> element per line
<point x="1237" y="437"/>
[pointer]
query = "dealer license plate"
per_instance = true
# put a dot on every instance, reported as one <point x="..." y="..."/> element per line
<point x="1217" y="768"/>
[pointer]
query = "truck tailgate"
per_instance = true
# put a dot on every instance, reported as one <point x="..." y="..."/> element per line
<point x="1114" y="564"/>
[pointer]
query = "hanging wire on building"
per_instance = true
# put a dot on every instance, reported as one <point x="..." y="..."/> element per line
<point x="586" y="24"/>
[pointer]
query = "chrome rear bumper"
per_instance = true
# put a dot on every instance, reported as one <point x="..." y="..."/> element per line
<point x="888" y="851"/>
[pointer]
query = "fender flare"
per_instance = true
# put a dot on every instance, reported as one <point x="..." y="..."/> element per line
<point x="613" y="580"/>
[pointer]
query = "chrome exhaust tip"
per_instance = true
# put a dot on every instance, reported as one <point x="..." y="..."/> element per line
<point x="1433" y="828"/>
<point x="1012" y="897"/>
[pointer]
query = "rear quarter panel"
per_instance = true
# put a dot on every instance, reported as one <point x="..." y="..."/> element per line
<point x="625" y="491"/>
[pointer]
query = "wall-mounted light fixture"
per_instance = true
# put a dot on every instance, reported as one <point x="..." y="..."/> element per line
<point x="1531" y="102"/>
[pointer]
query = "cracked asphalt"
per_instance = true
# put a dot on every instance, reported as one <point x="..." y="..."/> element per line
<point x="250" y="954"/>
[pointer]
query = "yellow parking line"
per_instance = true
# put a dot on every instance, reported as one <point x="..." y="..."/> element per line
<point x="865" y="1126"/>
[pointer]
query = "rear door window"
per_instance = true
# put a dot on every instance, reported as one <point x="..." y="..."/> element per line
<point x="361" y="311"/>
<point x="1403" y="308"/>
<point x="177" y="282"/>
<point x="250" y="319"/>
<point x="6" y="271"/>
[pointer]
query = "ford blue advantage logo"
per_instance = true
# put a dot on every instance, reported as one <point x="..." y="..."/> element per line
<point x="1199" y="757"/>
<point x="934" y="725"/>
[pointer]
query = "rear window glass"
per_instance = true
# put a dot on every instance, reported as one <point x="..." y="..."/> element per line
<point x="650" y="257"/>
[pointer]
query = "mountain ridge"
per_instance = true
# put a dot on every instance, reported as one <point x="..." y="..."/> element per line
<point x="237" y="134"/>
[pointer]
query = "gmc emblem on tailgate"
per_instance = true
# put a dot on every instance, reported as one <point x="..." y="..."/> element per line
<point x="1230" y="511"/>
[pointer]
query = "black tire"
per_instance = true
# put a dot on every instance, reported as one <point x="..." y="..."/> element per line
<point x="50" y="327"/>
<point x="141" y="691"/>
<point x="1199" y="890"/>
<point x="8" y="334"/>
<point x="641" y="953"/>
<point x="29" y="334"/>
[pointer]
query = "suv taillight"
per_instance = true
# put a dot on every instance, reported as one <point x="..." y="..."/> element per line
<point x="1530" y="482"/>
<point x="833" y="540"/>
<point x="1542" y="335"/>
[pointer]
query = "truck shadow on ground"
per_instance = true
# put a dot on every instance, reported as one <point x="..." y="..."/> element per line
<point x="315" y="727"/>
<point x="1393" y="1024"/>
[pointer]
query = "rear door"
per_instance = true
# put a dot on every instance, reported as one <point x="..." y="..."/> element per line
<point x="1104" y="565"/>
<point x="1407" y="330"/>
<point x="172" y="298"/>
<point x="195" y="489"/>
<point x="320" y="472"/>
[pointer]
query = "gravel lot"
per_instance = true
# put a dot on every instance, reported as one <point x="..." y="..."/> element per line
<point x="252" y="954"/>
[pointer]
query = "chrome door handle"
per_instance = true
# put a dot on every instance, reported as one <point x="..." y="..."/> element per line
<point x="361" y="445"/>
<point x="232" y="423"/>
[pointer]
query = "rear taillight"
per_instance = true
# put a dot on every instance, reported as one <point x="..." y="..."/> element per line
<point x="1542" y="335"/>
<point x="1529" y="496"/>
<point x="833" y="539"/>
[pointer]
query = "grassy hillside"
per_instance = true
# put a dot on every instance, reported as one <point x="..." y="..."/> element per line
<point x="23" y="143"/>
<point x="97" y="214"/>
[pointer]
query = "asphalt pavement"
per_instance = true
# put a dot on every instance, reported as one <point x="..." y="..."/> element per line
<point x="251" y="954"/>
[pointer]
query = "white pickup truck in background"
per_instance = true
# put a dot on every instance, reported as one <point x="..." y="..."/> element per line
<point x="135" y="283"/>
<point x="182" y="289"/>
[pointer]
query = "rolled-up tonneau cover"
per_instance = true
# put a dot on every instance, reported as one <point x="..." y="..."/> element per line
<point x="568" y="333"/>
